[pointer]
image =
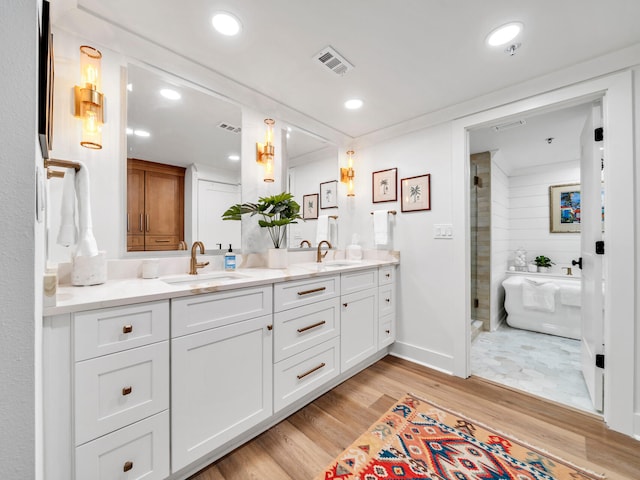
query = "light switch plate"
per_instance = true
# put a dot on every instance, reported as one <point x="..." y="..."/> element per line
<point x="443" y="231"/>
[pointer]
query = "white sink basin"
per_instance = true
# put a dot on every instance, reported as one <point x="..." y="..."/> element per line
<point x="341" y="263"/>
<point x="203" y="279"/>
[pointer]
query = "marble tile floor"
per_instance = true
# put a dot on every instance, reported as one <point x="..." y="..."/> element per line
<point x="543" y="365"/>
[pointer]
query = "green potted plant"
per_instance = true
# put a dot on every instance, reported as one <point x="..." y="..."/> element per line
<point x="543" y="263"/>
<point x="277" y="212"/>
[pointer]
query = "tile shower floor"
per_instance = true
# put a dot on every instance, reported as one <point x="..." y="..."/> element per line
<point x="540" y="364"/>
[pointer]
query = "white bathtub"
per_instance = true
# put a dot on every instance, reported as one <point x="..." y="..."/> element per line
<point x="563" y="321"/>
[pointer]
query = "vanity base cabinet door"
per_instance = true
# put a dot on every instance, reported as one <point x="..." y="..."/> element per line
<point x="138" y="451"/>
<point x="221" y="387"/>
<point x="387" y="333"/>
<point x="358" y="327"/>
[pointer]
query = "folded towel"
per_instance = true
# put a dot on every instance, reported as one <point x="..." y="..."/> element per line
<point x="570" y="295"/>
<point x="322" y="232"/>
<point x="68" y="234"/>
<point x="87" y="246"/>
<point x="381" y="227"/>
<point x="539" y="297"/>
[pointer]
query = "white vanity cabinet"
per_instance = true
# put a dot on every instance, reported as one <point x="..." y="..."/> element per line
<point x="106" y="393"/>
<point x="221" y="375"/>
<point x="386" y="306"/>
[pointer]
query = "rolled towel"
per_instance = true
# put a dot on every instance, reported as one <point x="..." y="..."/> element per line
<point x="570" y="295"/>
<point x="539" y="296"/>
<point x="87" y="246"/>
<point x="68" y="233"/>
<point x="381" y="227"/>
<point x="322" y="232"/>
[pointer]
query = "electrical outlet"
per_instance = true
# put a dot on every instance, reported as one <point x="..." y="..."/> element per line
<point x="443" y="231"/>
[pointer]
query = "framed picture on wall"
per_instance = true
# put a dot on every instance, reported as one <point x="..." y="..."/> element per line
<point x="310" y="206"/>
<point x="416" y="193"/>
<point x="385" y="185"/>
<point x="564" y="208"/>
<point x="329" y="194"/>
<point x="45" y="83"/>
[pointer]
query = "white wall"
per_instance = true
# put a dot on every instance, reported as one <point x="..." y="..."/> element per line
<point x="636" y="360"/>
<point x="21" y="256"/>
<point x="499" y="237"/>
<point x="529" y="213"/>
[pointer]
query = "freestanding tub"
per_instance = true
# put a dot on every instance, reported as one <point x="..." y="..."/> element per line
<point x="563" y="321"/>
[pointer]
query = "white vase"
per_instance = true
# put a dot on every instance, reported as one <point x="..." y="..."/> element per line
<point x="543" y="269"/>
<point x="278" y="258"/>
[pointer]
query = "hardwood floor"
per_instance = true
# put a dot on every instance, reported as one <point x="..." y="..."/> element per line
<point x="300" y="447"/>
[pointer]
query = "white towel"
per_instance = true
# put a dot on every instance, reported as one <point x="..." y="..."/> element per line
<point x="570" y="295"/>
<point x="322" y="232"/>
<point x="539" y="295"/>
<point x="87" y="246"/>
<point x="381" y="227"/>
<point x="68" y="234"/>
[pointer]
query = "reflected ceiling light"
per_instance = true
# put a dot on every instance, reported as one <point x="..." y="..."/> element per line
<point x="130" y="87"/>
<point x="265" y="151"/>
<point x="226" y="24"/>
<point x="141" y="133"/>
<point x="235" y="158"/>
<point x="504" y="34"/>
<point x="129" y="131"/>
<point x="89" y="100"/>
<point x="170" y="94"/>
<point x="353" y="104"/>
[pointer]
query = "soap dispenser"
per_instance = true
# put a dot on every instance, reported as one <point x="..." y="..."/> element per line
<point x="230" y="260"/>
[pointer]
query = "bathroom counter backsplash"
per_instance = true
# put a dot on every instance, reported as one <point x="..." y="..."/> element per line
<point x="125" y="285"/>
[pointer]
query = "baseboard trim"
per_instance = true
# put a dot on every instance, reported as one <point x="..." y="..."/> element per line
<point x="422" y="356"/>
<point x="636" y="425"/>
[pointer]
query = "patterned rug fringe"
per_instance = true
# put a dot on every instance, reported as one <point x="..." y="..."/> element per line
<point x="510" y="436"/>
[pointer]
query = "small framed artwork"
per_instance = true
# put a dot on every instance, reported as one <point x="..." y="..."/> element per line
<point x="416" y="193"/>
<point x="564" y="208"/>
<point x="385" y="185"/>
<point x="329" y="194"/>
<point x="310" y="206"/>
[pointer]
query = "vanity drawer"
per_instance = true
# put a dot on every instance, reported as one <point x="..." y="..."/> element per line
<point x="386" y="300"/>
<point x="303" y="292"/>
<point x="300" y="374"/>
<point x="387" y="274"/>
<point x="110" y="330"/>
<point x="138" y="451"/>
<point x="202" y="312"/>
<point x="161" y="242"/>
<point x="116" y="390"/>
<point x="359" y="280"/>
<point x="387" y="333"/>
<point x="297" y="329"/>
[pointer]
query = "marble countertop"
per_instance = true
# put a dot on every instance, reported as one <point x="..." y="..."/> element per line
<point x="135" y="290"/>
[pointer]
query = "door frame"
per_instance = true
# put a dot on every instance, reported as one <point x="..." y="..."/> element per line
<point x="619" y="314"/>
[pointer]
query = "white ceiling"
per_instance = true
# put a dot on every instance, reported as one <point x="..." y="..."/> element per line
<point x="411" y="57"/>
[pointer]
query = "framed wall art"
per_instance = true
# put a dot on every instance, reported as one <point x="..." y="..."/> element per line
<point x="385" y="185"/>
<point x="310" y="206"/>
<point x="416" y="193"/>
<point x="329" y="194"/>
<point x="564" y="208"/>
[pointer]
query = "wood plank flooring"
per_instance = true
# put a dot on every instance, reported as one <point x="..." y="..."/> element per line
<point x="300" y="447"/>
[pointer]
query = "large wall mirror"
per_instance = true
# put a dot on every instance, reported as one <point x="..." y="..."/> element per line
<point x="183" y="164"/>
<point x="311" y="161"/>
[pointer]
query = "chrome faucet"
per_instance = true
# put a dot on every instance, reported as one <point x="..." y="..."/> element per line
<point x="194" y="265"/>
<point x="320" y="256"/>
<point x="305" y="241"/>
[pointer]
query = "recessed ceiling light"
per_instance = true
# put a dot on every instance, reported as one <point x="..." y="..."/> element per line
<point x="353" y="104"/>
<point x="130" y="87"/>
<point x="226" y="24"/>
<point x="504" y="34"/>
<point x="170" y="94"/>
<point x="129" y="131"/>
<point x="141" y="133"/>
<point x="235" y="158"/>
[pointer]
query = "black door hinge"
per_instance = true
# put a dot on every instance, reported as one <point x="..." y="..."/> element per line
<point x="600" y="247"/>
<point x="476" y="181"/>
<point x="600" y="360"/>
<point x="476" y="303"/>
<point x="598" y="134"/>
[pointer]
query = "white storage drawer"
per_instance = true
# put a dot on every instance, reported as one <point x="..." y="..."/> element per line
<point x="119" y="389"/>
<point x="303" y="292"/>
<point x="386" y="300"/>
<point x="300" y="328"/>
<point x="202" y="312"/>
<point x="139" y="451"/>
<point x="296" y="376"/>
<point x="359" y="280"/>
<point x="387" y="274"/>
<point x="387" y="334"/>
<point x="110" y="330"/>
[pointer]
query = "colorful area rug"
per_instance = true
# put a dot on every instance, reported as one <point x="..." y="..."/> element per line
<point x="416" y="439"/>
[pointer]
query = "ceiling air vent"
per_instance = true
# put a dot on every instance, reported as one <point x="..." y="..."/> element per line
<point x="508" y="125"/>
<point x="333" y="61"/>
<point x="229" y="128"/>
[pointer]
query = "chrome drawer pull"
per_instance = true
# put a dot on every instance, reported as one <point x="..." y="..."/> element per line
<point x="315" y="290"/>
<point x="127" y="329"/>
<point x="300" y="377"/>
<point x="126" y="390"/>
<point x="127" y="466"/>
<point x="304" y="329"/>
